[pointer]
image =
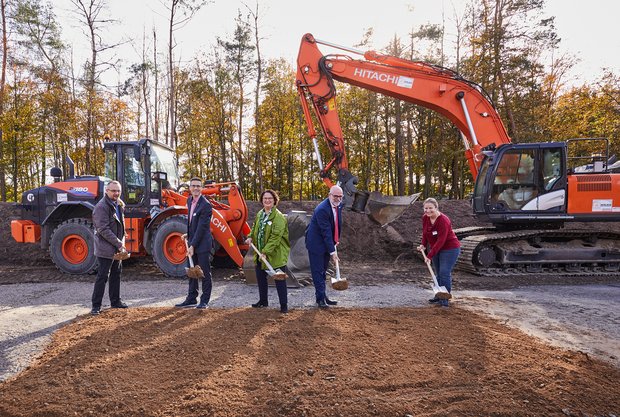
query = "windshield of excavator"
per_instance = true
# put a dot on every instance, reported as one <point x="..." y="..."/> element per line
<point x="165" y="160"/>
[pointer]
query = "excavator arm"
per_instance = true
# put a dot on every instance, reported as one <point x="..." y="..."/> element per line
<point x="427" y="85"/>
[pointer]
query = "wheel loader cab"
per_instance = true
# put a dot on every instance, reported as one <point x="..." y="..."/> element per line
<point x="139" y="166"/>
<point x="523" y="178"/>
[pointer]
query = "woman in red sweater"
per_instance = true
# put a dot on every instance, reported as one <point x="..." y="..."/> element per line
<point x="444" y="246"/>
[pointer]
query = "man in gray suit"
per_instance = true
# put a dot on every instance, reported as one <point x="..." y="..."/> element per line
<point x="109" y="222"/>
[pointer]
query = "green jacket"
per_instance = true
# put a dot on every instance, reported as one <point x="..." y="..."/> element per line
<point x="276" y="246"/>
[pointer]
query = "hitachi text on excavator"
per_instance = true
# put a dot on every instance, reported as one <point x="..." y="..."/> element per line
<point x="528" y="191"/>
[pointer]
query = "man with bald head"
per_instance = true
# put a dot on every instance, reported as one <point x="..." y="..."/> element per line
<point x="322" y="236"/>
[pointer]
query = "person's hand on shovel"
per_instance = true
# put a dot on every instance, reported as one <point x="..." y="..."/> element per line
<point x="426" y="259"/>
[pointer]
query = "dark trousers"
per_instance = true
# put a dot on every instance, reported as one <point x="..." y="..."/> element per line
<point x="204" y="260"/>
<point x="263" y="287"/>
<point x="108" y="269"/>
<point x="318" y="267"/>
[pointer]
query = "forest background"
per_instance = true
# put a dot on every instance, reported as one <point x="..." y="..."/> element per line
<point x="231" y="114"/>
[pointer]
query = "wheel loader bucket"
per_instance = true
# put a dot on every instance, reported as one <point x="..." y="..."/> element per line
<point x="385" y="209"/>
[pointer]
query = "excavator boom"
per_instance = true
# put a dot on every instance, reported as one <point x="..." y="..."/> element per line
<point x="427" y="85"/>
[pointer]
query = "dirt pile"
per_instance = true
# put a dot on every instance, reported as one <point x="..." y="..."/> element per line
<point x="12" y="253"/>
<point x="384" y="362"/>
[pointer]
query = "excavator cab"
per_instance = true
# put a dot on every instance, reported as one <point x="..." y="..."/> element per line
<point x="519" y="181"/>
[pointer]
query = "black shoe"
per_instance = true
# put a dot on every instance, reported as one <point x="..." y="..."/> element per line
<point x="284" y="309"/>
<point x="322" y="304"/>
<point x="186" y="303"/>
<point x="260" y="304"/>
<point x="120" y="304"/>
<point x="433" y="300"/>
<point x="202" y="306"/>
<point x="330" y="302"/>
<point x="95" y="311"/>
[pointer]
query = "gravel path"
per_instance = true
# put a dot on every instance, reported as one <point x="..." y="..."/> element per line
<point x="581" y="318"/>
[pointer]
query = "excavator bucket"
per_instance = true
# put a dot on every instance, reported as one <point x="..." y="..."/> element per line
<point x="385" y="209"/>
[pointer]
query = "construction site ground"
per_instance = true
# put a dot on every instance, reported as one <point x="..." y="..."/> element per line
<point x="535" y="345"/>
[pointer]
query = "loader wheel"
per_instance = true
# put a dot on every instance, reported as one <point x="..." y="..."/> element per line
<point x="168" y="248"/>
<point x="72" y="247"/>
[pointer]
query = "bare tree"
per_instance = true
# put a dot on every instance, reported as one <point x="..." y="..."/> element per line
<point x="259" y="71"/>
<point x="189" y="9"/>
<point x="5" y="50"/>
<point x="90" y="13"/>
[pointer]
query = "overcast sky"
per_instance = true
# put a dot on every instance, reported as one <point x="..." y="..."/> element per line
<point x="588" y="29"/>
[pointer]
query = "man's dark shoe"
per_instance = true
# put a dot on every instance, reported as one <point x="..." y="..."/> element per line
<point x="120" y="304"/>
<point x="95" y="311"/>
<point x="284" y="309"/>
<point x="330" y="302"/>
<point x="322" y="304"/>
<point x="433" y="300"/>
<point x="202" y="306"/>
<point x="186" y="303"/>
<point x="260" y="304"/>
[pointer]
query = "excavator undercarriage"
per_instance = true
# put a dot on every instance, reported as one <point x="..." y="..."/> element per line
<point x="522" y="252"/>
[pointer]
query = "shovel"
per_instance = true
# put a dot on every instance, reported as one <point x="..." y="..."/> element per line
<point x="193" y="272"/>
<point x="339" y="283"/>
<point x="441" y="293"/>
<point x="276" y="274"/>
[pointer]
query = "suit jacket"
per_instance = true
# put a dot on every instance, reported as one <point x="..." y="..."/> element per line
<point x="109" y="229"/>
<point x="199" y="229"/>
<point x="320" y="231"/>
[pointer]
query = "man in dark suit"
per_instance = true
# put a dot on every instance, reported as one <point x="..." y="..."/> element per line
<point x="199" y="241"/>
<point x="109" y="223"/>
<point x="322" y="236"/>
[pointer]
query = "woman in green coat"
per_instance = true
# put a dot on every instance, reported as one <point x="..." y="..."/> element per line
<point x="270" y="235"/>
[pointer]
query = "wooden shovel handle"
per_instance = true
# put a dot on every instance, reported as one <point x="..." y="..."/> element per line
<point x="189" y="258"/>
<point x="264" y="260"/>
<point x="430" y="268"/>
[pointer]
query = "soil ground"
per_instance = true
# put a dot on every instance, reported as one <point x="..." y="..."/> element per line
<point x="344" y="361"/>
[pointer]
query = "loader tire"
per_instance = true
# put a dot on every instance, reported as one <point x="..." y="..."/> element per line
<point x="168" y="247"/>
<point x="72" y="247"/>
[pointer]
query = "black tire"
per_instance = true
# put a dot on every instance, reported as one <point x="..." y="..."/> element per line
<point x="165" y="233"/>
<point x="72" y="247"/>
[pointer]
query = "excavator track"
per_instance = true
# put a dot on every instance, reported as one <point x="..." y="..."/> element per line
<point x="540" y="252"/>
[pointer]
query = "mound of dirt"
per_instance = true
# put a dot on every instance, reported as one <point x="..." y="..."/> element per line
<point x="341" y="362"/>
<point x="13" y="253"/>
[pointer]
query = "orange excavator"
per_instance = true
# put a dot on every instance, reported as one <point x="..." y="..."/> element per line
<point x="528" y="191"/>
<point x="59" y="215"/>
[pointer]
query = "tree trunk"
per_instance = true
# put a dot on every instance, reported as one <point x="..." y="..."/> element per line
<point x="257" y="121"/>
<point x="2" y="91"/>
<point x="171" y="98"/>
<point x="399" y="155"/>
<point x="156" y="92"/>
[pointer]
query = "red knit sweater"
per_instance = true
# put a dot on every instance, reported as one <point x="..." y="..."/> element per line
<point x="439" y="235"/>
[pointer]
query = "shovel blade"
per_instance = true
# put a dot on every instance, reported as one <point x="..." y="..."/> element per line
<point x="441" y="293"/>
<point x="340" y="284"/>
<point x="194" y="272"/>
<point x="385" y="209"/>
<point x="279" y="275"/>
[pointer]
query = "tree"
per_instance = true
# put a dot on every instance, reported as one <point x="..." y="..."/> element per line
<point x="39" y="32"/>
<point x="90" y="13"/>
<point x="240" y="57"/>
<point x="188" y="8"/>
<point x="5" y="51"/>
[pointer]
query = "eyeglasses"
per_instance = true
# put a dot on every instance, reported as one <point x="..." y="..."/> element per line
<point x="114" y="191"/>
<point x="196" y="186"/>
<point x="337" y="196"/>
